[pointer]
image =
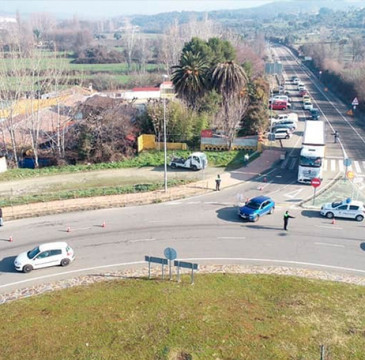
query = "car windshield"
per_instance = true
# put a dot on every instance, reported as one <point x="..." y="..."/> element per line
<point x="310" y="161"/>
<point x="336" y="203"/>
<point x="33" y="252"/>
<point x="253" y="205"/>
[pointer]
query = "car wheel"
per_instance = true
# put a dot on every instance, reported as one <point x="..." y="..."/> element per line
<point x="256" y="218"/>
<point x="27" y="268"/>
<point x="271" y="210"/>
<point x="329" y="215"/>
<point x="194" y="167"/>
<point x="65" y="262"/>
<point x="287" y="137"/>
<point x="359" y="218"/>
<point x="173" y="165"/>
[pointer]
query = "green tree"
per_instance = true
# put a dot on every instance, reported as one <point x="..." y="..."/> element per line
<point x="230" y="80"/>
<point x="190" y="77"/>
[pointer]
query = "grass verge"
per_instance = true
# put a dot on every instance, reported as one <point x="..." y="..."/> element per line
<point x="229" y="159"/>
<point x="222" y="316"/>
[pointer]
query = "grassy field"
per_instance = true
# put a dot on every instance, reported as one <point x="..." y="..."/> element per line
<point x="221" y="317"/>
<point x="82" y="181"/>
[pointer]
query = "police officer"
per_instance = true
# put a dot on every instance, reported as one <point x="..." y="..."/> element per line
<point x="286" y="219"/>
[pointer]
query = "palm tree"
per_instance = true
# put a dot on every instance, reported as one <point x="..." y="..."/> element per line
<point x="190" y="77"/>
<point x="230" y="80"/>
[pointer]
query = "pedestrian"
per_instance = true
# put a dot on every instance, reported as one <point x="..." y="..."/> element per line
<point x="286" y="219"/>
<point x="218" y="183"/>
<point x="336" y="136"/>
<point x="1" y="217"/>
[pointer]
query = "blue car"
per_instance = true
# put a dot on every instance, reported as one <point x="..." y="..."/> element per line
<point x="256" y="207"/>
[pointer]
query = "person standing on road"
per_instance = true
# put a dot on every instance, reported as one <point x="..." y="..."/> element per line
<point x="218" y="183"/>
<point x="1" y="217"/>
<point x="286" y="219"/>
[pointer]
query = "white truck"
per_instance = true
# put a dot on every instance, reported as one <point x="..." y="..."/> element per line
<point x="195" y="161"/>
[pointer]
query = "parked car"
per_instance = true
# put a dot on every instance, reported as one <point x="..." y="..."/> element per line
<point x="282" y="133"/>
<point x="289" y="124"/>
<point x="280" y="97"/>
<point x="300" y="86"/>
<point x="280" y="105"/>
<point x="306" y="98"/>
<point x="307" y="105"/>
<point x="315" y="114"/>
<point x="195" y="161"/>
<point x="296" y="80"/>
<point x="348" y="209"/>
<point x="45" y="255"/>
<point x="256" y="207"/>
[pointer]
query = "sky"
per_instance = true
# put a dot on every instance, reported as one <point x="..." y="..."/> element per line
<point x="110" y="8"/>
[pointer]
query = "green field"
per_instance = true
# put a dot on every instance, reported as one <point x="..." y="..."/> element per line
<point x="221" y="316"/>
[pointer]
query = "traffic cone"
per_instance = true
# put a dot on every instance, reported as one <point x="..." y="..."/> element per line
<point x="103" y="225"/>
<point x="333" y="221"/>
<point x="68" y="229"/>
<point x="10" y="238"/>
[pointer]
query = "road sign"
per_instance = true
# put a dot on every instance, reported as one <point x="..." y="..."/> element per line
<point x="355" y="102"/>
<point x="350" y="175"/>
<point x="315" y="182"/>
<point x="271" y="137"/>
<point x="170" y="253"/>
<point x="347" y="162"/>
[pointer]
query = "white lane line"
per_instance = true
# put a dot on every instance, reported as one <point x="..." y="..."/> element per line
<point x="333" y="165"/>
<point x="325" y="164"/>
<point x="140" y="240"/>
<point x="173" y="203"/>
<point x="189" y="259"/>
<point x="340" y="164"/>
<point x="357" y="167"/>
<point x="278" y="262"/>
<point x="231" y="237"/>
<point x="328" y="244"/>
<point x="330" y="227"/>
<point x="157" y="221"/>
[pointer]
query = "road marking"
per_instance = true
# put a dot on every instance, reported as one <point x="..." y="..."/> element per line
<point x="325" y="163"/>
<point x="140" y="240"/>
<point x="357" y="167"/>
<point x="340" y="164"/>
<point x="193" y="202"/>
<point x="293" y="194"/>
<point x="328" y="244"/>
<point x="157" y="221"/>
<point x="279" y="262"/>
<point x="333" y="165"/>
<point x="330" y="227"/>
<point x="189" y="259"/>
<point x="231" y="237"/>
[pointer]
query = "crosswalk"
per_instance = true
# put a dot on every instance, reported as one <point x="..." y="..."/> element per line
<point x="329" y="165"/>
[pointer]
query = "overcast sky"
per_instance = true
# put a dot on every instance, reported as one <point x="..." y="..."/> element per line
<point x="108" y="8"/>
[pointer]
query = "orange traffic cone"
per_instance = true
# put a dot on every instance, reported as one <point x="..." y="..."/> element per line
<point x="333" y="221"/>
<point x="103" y="225"/>
<point x="68" y="229"/>
<point x="10" y="238"/>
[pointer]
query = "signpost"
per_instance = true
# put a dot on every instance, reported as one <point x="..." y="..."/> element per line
<point x="355" y="102"/>
<point x="315" y="182"/>
<point x="156" y="260"/>
<point x="347" y="162"/>
<point x="186" y="265"/>
<point x="170" y="254"/>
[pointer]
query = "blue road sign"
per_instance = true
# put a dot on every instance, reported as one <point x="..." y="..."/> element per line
<point x="170" y="253"/>
<point x="156" y="260"/>
<point x="347" y="162"/>
<point x="186" y="265"/>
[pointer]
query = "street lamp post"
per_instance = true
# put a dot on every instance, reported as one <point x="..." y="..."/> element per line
<point x="164" y="138"/>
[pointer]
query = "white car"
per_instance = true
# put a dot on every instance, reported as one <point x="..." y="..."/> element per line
<point x="45" y="255"/>
<point x="345" y="209"/>
<point x="282" y="133"/>
<point x="307" y="105"/>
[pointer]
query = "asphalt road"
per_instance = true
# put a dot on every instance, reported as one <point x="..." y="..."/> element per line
<point x="206" y="228"/>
